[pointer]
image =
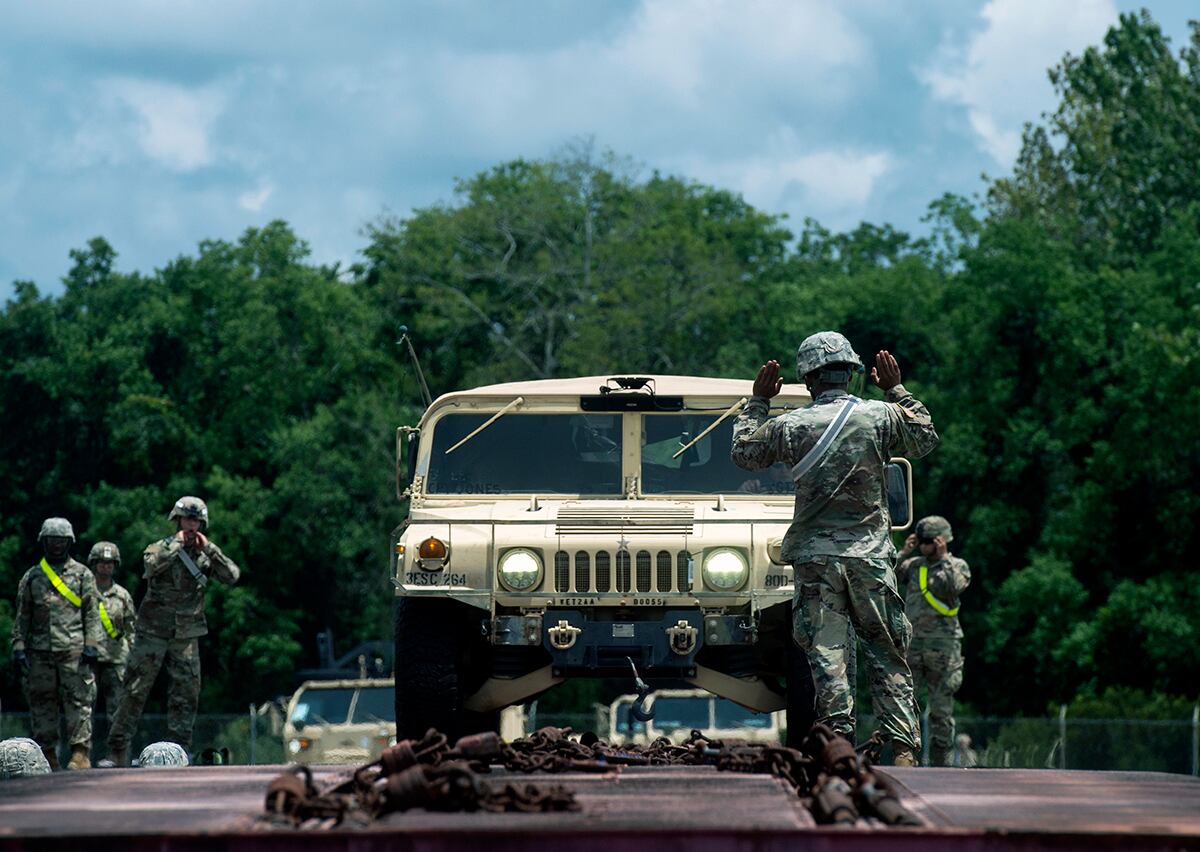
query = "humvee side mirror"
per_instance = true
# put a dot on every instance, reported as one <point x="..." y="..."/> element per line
<point x="898" y="481"/>
<point x="404" y="473"/>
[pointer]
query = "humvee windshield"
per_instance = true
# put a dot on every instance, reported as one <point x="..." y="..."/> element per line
<point x="322" y="706"/>
<point x="375" y="704"/>
<point x="704" y="468"/>
<point x="527" y="454"/>
<point x="581" y="454"/>
<point x="730" y="715"/>
<point x="674" y="713"/>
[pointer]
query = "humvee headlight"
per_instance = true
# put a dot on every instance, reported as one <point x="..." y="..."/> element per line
<point x="520" y="569"/>
<point x="298" y="745"/>
<point x="724" y="569"/>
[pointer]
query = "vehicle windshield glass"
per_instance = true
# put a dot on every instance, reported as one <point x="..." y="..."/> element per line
<point x="704" y="468"/>
<point x="625" y="723"/>
<point x="322" y="706"/>
<point x="527" y="454"/>
<point x="375" y="704"/>
<point x="731" y="715"/>
<point x="673" y="713"/>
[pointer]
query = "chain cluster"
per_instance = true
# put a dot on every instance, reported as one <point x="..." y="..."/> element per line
<point x="835" y="783"/>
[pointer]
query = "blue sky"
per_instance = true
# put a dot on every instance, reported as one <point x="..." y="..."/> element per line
<point x="159" y="124"/>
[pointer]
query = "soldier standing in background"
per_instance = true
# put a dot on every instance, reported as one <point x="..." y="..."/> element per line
<point x="839" y="542"/>
<point x="169" y="624"/>
<point x="56" y="632"/>
<point x="117" y="619"/>
<point x="933" y="582"/>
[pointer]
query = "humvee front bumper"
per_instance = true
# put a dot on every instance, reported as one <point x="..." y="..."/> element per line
<point x="597" y="642"/>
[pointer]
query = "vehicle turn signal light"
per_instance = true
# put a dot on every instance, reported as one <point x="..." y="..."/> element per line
<point x="432" y="548"/>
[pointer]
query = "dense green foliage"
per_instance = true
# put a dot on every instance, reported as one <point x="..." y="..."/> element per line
<point x="1053" y="330"/>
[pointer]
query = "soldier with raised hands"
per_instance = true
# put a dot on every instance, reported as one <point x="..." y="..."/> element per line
<point x="839" y="542"/>
<point x="56" y="634"/>
<point x="117" y="619"/>
<point x="934" y="578"/>
<point x="170" y="622"/>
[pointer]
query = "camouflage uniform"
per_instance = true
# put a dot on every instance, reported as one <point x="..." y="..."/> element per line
<point x="840" y="546"/>
<point x="169" y="624"/>
<point x="52" y="632"/>
<point x="935" y="655"/>
<point x="114" y="652"/>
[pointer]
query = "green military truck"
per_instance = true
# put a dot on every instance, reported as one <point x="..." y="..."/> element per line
<point x="573" y="527"/>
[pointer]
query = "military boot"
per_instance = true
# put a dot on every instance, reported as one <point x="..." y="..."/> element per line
<point x="118" y="757"/>
<point x="51" y="758"/>
<point x="939" y="756"/>
<point x="79" y="758"/>
<point x="902" y="755"/>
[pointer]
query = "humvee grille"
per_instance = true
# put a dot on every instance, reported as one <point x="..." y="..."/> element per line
<point x="640" y="520"/>
<point x="644" y="571"/>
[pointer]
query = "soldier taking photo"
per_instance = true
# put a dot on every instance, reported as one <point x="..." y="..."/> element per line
<point x="839" y="542"/>
<point x="170" y="622"/>
<point x="56" y="632"/>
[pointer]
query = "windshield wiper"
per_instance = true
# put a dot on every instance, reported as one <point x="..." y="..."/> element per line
<point x="516" y="402"/>
<point x="729" y="412"/>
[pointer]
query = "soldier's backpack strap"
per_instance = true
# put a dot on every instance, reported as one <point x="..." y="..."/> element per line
<point x="825" y="441"/>
<point x="58" y="584"/>
<point x="188" y="563"/>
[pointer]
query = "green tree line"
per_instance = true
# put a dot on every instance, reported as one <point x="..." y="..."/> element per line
<point x="1052" y="326"/>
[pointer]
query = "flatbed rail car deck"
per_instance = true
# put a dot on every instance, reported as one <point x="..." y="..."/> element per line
<point x="679" y="808"/>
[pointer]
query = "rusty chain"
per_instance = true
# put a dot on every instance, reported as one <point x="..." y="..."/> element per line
<point x="834" y="781"/>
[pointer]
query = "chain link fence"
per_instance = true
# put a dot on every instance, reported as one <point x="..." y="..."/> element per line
<point x="252" y="738"/>
<point x="1034" y="743"/>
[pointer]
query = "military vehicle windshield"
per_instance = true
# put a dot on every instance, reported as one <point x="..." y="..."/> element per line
<point x="731" y="715"/>
<point x="322" y="706"/>
<point x="704" y="468"/>
<point x="375" y="704"/>
<point x="527" y="454"/>
<point x="673" y="713"/>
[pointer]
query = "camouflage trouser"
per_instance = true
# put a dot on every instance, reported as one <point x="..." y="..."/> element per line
<point x="832" y="595"/>
<point x="54" y="678"/>
<point x="937" y="666"/>
<point x="110" y="686"/>
<point x="182" y="658"/>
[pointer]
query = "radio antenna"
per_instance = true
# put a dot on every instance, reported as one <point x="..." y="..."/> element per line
<point x="406" y="341"/>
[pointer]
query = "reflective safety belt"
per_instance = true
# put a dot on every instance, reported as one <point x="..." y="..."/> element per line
<point x="109" y="627"/>
<point x="923" y="579"/>
<point x="57" y="582"/>
<point x="190" y="564"/>
<point x="825" y="441"/>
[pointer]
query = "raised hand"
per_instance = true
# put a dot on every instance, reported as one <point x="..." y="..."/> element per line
<point x="886" y="372"/>
<point x="768" y="383"/>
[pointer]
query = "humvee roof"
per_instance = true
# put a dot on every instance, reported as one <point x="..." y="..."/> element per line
<point x="589" y="385"/>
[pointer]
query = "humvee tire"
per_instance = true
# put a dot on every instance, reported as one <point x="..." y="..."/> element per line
<point x="432" y="678"/>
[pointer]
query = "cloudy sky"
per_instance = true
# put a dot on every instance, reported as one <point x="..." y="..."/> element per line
<point x="158" y="124"/>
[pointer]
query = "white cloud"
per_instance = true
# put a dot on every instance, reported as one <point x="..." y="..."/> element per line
<point x="999" y="76"/>
<point x="831" y="184"/>
<point x="174" y="123"/>
<point x="253" y="201"/>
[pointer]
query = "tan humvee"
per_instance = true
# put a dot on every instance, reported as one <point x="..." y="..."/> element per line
<point x="677" y="712"/>
<point x="339" y="721"/>
<point x="566" y="528"/>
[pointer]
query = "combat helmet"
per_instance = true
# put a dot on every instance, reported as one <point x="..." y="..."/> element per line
<point x="932" y="525"/>
<point x="57" y="528"/>
<point x="21" y="756"/>
<point x="104" y="551"/>
<point x="825" y="348"/>
<point x="163" y="754"/>
<point x="190" y="507"/>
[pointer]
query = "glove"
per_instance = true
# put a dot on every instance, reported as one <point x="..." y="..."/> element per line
<point x="21" y="661"/>
<point x="90" y="657"/>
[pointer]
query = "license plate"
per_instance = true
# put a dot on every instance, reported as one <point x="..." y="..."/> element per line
<point x="622" y="631"/>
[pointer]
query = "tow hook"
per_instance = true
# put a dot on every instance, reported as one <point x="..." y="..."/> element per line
<point x="638" y="711"/>
<point x="563" y="635"/>
<point x="683" y="638"/>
